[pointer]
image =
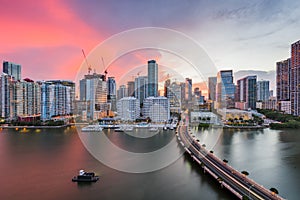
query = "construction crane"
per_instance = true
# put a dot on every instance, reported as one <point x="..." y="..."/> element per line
<point x="105" y="70"/>
<point x="138" y="74"/>
<point x="89" y="66"/>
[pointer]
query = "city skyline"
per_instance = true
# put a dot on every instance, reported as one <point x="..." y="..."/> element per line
<point x="58" y="52"/>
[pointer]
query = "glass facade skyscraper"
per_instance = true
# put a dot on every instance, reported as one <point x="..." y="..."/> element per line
<point x="141" y="88"/>
<point x="263" y="90"/>
<point x="246" y="91"/>
<point x="152" y="78"/>
<point x="12" y="69"/>
<point x="111" y="93"/>
<point x="225" y="89"/>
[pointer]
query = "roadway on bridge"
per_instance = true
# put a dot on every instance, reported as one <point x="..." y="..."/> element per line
<point x="237" y="181"/>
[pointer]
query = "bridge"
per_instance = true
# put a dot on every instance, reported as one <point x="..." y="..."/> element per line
<point x="237" y="183"/>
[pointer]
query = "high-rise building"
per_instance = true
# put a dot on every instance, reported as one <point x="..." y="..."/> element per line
<point x="111" y="86"/>
<point x="225" y="89"/>
<point x="93" y="89"/>
<point x="141" y="88"/>
<point x="6" y="94"/>
<point x="12" y="69"/>
<point x="182" y="89"/>
<point x="27" y="99"/>
<point x="246" y="91"/>
<point x="122" y="92"/>
<point x="188" y="89"/>
<point x="174" y="96"/>
<point x="197" y="92"/>
<point x="212" y="82"/>
<point x="283" y="71"/>
<point x="128" y="108"/>
<point x="130" y="88"/>
<point x="157" y="109"/>
<point x="295" y="78"/>
<point x="263" y="90"/>
<point x="166" y="85"/>
<point x="152" y="78"/>
<point x="57" y="98"/>
<point x="111" y="93"/>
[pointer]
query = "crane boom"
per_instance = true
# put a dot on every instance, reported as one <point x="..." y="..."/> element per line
<point x="89" y="66"/>
<point x="105" y="70"/>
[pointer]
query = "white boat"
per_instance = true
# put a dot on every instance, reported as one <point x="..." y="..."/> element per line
<point x="92" y="128"/>
<point x="153" y="129"/>
<point x="142" y="125"/>
<point x="119" y="130"/>
<point x="128" y="129"/>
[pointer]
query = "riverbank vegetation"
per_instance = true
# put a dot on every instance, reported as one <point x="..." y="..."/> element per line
<point x="286" y="120"/>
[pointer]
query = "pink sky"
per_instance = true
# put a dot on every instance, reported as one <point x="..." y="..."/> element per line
<point x="45" y="37"/>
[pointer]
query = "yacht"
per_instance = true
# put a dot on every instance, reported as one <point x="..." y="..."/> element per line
<point x="92" y="128"/>
<point x="128" y="129"/>
<point x="85" y="177"/>
<point x="153" y="129"/>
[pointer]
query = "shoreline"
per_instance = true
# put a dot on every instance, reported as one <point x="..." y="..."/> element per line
<point x="41" y="127"/>
<point x="244" y="127"/>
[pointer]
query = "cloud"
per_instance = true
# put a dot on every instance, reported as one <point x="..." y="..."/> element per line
<point x="235" y="33"/>
<point x="47" y="62"/>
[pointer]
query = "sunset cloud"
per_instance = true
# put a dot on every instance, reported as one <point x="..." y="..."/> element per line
<point x="46" y="37"/>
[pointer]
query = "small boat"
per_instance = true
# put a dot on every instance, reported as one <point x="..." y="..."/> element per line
<point x="165" y="128"/>
<point x="153" y="129"/>
<point x="85" y="177"/>
<point x="128" y="129"/>
<point x="119" y="130"/>
<point x="91" y="128"/>
<point x="143" y="125"/>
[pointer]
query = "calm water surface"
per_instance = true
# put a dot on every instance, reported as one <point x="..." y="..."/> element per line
<point x="40" y="165"/>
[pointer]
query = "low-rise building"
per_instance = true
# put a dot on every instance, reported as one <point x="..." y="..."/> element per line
<point x="204" y="117"/>
<point x="228" y="114"/>
<point x="285" y="106"/>
<point x="128" y="108"/>
<point x="157" y="109"/>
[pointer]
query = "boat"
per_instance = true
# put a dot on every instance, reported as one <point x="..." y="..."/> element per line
<point x="92" y="128"/>
<point x="119" y="130"/>
<point x="128" y="129"/>
<point x="165" y="128"/>
<point x="85" y="177"/>
<point x="143" y="125"/>
<point x="153" y="129"/>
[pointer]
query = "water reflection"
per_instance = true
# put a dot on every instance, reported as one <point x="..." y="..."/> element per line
<point x="271" y="157"/>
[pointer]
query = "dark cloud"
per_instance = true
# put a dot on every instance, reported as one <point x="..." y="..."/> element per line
<point x="122" y="15"/>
